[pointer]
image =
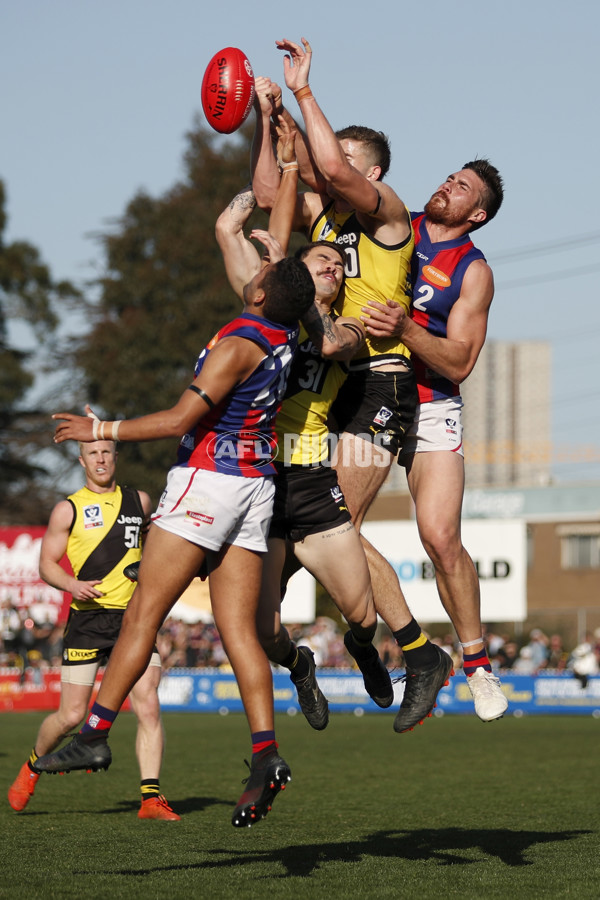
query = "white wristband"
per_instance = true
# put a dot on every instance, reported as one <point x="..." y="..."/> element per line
<point x="95" y="424"/>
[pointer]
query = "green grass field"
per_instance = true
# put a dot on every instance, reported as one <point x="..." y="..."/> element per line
<point x="454" y="809"/>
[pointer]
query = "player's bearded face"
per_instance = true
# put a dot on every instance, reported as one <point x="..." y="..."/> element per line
<point x="441" y="209"/>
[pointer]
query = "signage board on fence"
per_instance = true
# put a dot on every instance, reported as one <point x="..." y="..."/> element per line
<point x="498" y="548"/>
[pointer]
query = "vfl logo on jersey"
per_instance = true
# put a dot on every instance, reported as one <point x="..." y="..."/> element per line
<point x="325" y="230"/>
<point x="435" y="277"/>
<point x="92" y="516"/>
<point x="383" y="416"/>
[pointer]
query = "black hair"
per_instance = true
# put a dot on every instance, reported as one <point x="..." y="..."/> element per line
<point x="289" y="291"/>
<point x="303" y="251"/>
<point x="493" y="191"/>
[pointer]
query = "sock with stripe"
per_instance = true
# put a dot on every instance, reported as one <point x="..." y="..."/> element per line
<point x="472" y="661"/>
<point x="99" y="719"/>
<point x="297" y="663"/>
<point x="419" y="652"/>
<point x="33" y="757"/>
<point x="261" y="740"/>
<point x="150" y="787"/>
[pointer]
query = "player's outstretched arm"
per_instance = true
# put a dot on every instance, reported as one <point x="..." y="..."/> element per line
<point x="263" y="165"/>
<point x="240" y="257"/>
<point x="232" y="360"/>
<point x="282" y="214"/>
<point x="309" y="173"/>
<point x="367" y="195"/>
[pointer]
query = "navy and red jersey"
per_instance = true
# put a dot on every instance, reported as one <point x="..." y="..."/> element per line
<point x="437" y="275"/>
<point x="237" y="436"/>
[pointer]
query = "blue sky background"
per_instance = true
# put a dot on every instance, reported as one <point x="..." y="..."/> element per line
<point x="97" y="99"/>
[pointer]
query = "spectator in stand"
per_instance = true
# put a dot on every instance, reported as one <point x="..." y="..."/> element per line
<point x="10" y="628"/>
<point x="557" y="655"/>
<point x="584" y="660"/>
<point x="538" y="644"/>
<point x="507" y="655"/>
<point x="525" y="662"/>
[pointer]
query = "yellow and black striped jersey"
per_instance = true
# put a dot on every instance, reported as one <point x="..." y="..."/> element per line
<point x="104" y="538"/>
<point x="374" y="271"/>
<point x="301" y="423"/>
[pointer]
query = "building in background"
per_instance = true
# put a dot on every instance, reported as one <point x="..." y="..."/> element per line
<point x="507" y="415"/>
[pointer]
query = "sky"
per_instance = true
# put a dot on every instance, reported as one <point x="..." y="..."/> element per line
<point x="98" y="97"/>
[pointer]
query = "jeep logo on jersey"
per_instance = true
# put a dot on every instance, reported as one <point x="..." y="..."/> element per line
<point x="92" y="516"/>
<point x="231" y="449"/>
<point x="435" y="277"/>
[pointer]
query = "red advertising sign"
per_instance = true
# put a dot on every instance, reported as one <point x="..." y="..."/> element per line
<point x="20" y="581"/>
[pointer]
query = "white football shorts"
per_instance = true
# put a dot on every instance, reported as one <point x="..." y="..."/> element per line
<point x="437" y="426"/>
<point x="211" y="509"/>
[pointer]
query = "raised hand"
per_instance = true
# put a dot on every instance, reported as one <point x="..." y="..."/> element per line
<point x="296" y="63"/>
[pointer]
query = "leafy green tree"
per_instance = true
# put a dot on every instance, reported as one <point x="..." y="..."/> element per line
<point x="162" y="297"/>
<point x="27" y="292"/>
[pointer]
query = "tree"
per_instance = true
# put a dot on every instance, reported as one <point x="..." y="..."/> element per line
<point x="27" y="292"/>
<point x="163" y="296"/>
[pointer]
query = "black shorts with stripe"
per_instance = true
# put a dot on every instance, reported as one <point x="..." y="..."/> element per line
<point x="377" y="406"/>
<point x="307" y="501"/>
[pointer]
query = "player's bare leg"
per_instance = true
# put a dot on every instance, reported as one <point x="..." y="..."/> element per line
<point x="278" y="565"/>
<point x="361" y="468"/>
<point x="235" y="579"/>
<point x="436" y="482"/>
<point x="336" y="559"/>
<point x="160" y="583"/>
<point x="74" y="699"/>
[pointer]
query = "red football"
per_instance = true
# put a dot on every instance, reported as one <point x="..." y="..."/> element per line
<point x="227" y="90"/>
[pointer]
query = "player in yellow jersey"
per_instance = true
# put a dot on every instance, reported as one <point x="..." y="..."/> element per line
<point x="99" y="528"/>
<point x="350" y="205"/>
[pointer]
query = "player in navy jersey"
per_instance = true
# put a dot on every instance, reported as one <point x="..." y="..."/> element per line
<point x="216" y="509"/>
<point x="453" y="288"/>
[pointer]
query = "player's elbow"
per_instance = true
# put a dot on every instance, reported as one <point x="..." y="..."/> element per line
<point x="265" y="195"/>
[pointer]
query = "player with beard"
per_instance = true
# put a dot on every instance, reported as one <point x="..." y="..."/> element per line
<point x="453" y="288"/>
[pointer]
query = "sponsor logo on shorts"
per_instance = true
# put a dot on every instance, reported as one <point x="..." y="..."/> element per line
<point x="92" y="516"/>
<point x="200" y="518"/>
<point x="451" y="426"/>
<point x="383" y="416"/>
<point x="253" y="448"/>
<point x="434" y="276"/>
<point x="79" y="655"/>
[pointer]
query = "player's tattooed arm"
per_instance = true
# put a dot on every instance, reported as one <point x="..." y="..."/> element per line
<point x="241" y="258"/>
<point x="242" y="205"/>
<point x="339" y="339"/>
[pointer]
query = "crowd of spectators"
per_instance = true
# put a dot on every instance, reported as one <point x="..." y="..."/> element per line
<point x="28" y="639"/>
